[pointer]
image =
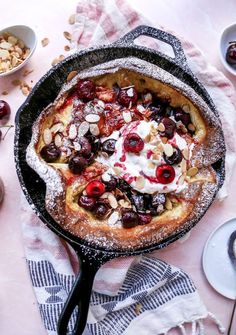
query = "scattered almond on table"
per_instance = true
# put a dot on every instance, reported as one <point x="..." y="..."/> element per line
<point x="45" y="42"/>
<point x="12" y="52"/>
<point x="72" y="19"/>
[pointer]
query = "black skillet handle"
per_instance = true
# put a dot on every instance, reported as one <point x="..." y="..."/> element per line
<point x="161" y="35"/>
<point x="79" y="297"/>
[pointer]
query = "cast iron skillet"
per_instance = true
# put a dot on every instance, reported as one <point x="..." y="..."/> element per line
<point x="45" y="91"/>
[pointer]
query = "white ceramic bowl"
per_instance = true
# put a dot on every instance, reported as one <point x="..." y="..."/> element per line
<point x="27" y="35"/>
<point x="228" y="35"/>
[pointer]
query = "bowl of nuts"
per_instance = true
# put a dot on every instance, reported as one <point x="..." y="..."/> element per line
<point x="228" y="48"/>
<point x="17" y="45"/>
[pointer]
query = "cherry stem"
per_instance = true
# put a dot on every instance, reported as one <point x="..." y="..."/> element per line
<point x="6" y="126"/>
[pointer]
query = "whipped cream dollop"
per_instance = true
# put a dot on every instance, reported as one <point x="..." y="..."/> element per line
<point x="139" y="170"/>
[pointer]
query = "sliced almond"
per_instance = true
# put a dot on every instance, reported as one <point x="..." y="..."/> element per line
<point x="92" y="118"/>
<point x="186" y="108"/>
<point x="57" y="127"/>
<point x="94" y="130"/>
<point x="113" y="218"/>
<point x="67" y="35"/>
<point x="71" y="75"/>
<point x="140" y="182"/>
<point x="71" y="19"/>
<point x="47" y="136"/>
<point x="127" y="117"/>
<point x="67" y="48"/>
<point x="161" y="127"/>
<point x="141" y="109"/>
<point x="55" y="61"/>
<point x="58" y="140"/>
<point x="125" y="204"/>
<point x="191" y="127"/>
<point x="168" y="204"/>
<point x="117" y="170"/>
<point x="77" y="146"/>
<point x="183" y="165"/>
<point x="61" y="57"/>
<point x="4" y="93"/>
<point x="105" y="195"/>
<point x="185" y="153"/>
<point x="192" y="171"/>
<point x="16" y="82"/>
<point x="182" y="179"/>
<point x="45" y="42"/>
<point x="83" y="128"/>
<point x="147" y="138"/>
<point x="151" y="165"/>
<point x="73" y="131"/>
<point x="112" y="201"/>
<point x="27" y="72"/>
<point x="168" y="150"/>
<point x="164" y="140"/>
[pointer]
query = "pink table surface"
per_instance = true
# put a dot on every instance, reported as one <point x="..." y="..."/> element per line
<point x="201" y="22"/>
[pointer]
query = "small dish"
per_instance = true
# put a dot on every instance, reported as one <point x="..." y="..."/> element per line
<point x="216" y="262"/>
<point x="28" y="36"/>
<point x="228" y="35"/>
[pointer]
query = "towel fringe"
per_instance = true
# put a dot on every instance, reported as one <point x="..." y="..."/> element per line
<point x="217" y="322"/>
<point x="194" y="328"/>
<point x="200" y="325"/>
<point x="183" y="331"/>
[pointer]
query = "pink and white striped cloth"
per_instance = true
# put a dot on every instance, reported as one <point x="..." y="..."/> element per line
<point x="53" y="264"/>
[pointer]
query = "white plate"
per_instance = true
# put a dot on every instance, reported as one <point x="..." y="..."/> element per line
<point x="216" y="263"/>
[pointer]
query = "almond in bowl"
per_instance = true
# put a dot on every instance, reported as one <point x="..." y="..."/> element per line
<point x="17" y="44"/>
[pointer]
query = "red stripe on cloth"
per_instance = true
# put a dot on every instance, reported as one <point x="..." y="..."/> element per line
<point x="108" y="27"/>
<point x="118" y="263"/>
<point x="102" y="285"/>
<point x="131" y="15"/>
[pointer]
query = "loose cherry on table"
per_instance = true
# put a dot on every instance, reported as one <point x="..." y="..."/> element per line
<point x="133" y="143"/>
<point x="165" y="174"/>
<point x="95" y="189"/>
<point x="5" y="111"/>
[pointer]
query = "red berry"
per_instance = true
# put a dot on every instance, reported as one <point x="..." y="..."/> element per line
<point x="165" y="174"/>
<point x="170" y="127"/>
<point x="77" y="164"/>
<point x="129" y="219"/>
<point x="5" y="110"/>
<point x="95" y="189"/>
<point x="86" y="202"/>
<point x="144" y="218"/>
<point x="86" y="89"/>
<point x="50" y="152"/>
<point x="133" y="143"/>
<point x="127" y="96"/>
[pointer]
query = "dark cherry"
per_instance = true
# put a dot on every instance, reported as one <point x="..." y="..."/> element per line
<point x="165" y="174"/>
<point x="100" y="210"/>
<point x="127" y="96"/>
<point x="170" y="127"/>
<point x="86" y="202"/>
<point x="231" y="53"/>
<point x="158" y="199"/>
<point x="77" y="164"/>
<point x="111" y="184"/>
<point x="138" y="201"/>
<point x="176" y="158"/>
<point x="86" y="147"/>
<point x="133" y="143"/>
<point x="129" y="219"/>
<point x="85" y="89"/>
<point x="124" y="186"/>
<point x="96" y="145"/>
<point x="95" y="188"/>
<point x="108" y="146"/>
<point x="50" y="152"/>
<point x="144" y="218"/>
<point x="157" y="112"/>
<point x="180" y="115"/>
<point x="5" y="111"/>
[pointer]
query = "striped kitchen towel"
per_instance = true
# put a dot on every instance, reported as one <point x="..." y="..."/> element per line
<point x="134" y="295"/>
<point x="142" y="295"/>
